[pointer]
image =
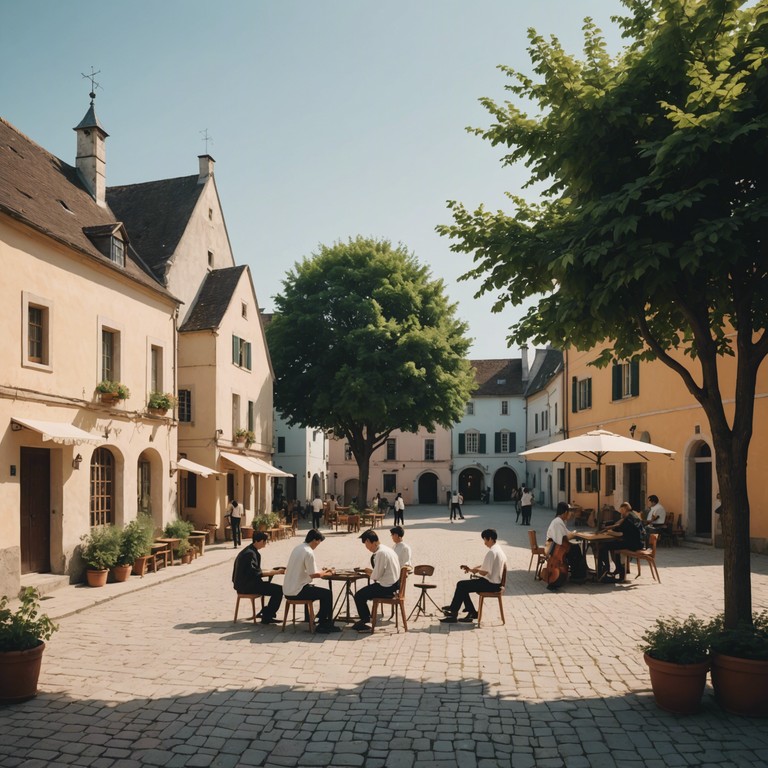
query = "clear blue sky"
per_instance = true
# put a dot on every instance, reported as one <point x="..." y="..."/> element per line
<point x="329" y="118"/>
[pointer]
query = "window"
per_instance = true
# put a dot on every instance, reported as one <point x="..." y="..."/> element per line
<point x="347" y="452"/>
<point x="610" y="480"/>
<point x="470" y="409"/>
<point x="144" y="482"/>
<point x="210" y="259"/>
<point x="579" y="484"/>
<point x="504" y="407"/>
<point x="391" y="449"/>
<point x="36" y="331"/>
<point x="536" y="422"/>
<point x="185" y="405"/>
<point x="210" y="214"/>
<point x="251" y="416"/>
<point x="389" y="482"/>
<point x="581" y="394"/>
<point x="117" y="251"/>
<point x="429" y="449"/>
<point x="544" y="421"/>
<point x="555" y="415"/>
<point x="36" y="334"/>
<point x="505" y="441"/>
<point x="109" y="370"/>
<point x="102" y="487"/>
<point x="590" y="480"/>
<point x="235" y="414"/>
<point x="191" y="487"/>
<point x="156" y="368"/>
<point x="625" y="380"/>
<point x="244" y="309"/>
<point x="241" y="352"/>
<point x="561" y="479"/>
<point x="471" y="442"/>
<point x="281" y="445"/>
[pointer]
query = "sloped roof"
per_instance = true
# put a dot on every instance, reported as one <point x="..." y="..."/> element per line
<point x="47" y="194"/>
<point x="547" y="363"/>
<point x="496" y="378"/>
<point x="213" y="299"/>
<point x="156" y="214"/>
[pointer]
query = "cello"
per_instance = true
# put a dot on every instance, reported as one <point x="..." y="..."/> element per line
<point x="555" y="572"/>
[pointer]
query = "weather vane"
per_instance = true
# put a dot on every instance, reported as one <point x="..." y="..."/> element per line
<point x="206" y="139"/>
<point x="94" y="84"/>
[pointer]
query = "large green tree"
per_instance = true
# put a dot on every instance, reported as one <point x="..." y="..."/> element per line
<point x="649" y="234"/>
<point x="364" y="342"/>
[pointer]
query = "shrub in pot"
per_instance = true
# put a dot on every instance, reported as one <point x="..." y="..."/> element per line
<point x="265" y="522"/>
<point x="161" y="401"/>
<point x="135" y="542"/>
<point x="100" y="550"/>
<point x="740" y="666"/>
<point x="677" y="655"/>
<point x="184" y="550"/>
<point x="112" y="390"/>
<point x="22" y="641"/>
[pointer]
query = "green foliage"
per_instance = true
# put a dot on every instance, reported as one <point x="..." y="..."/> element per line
<point x="178" y="529"/>
<point x="136" y="539"/>
<point x="364" y="342"/>
<point x="100" y="549"/>
<point x="266" y="521"/>
<point x="162" y="400"/>
<point x="678" y="642"/>
<point x="745" y="641"/>
<point x="246" y="435"/>
<point x="24" y="628"/>
<point x="114" y="388"/>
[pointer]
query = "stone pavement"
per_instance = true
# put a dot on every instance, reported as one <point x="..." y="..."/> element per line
<point x="154" y="672"/>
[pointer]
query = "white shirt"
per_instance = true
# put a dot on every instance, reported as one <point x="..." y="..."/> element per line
<point x="317" y="504"/>
<point x="526" y="499"/>
<point x="235" y="511"/>
<point x="386" y="567"/>
<point x="298" y="572"/>
<point x="403" y="552"/>
<point x="494" y="563"/>
<point x="557" y="530"/>
<point x="657" y="515"/>
<point x="399" y="504"/>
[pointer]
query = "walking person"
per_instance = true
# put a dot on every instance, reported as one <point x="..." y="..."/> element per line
<point x="456" y="502"/>
<point x="235" y="514"/>
<point x="399" y="509"/>
<point x="526" y="505"/>
<point x="516" y="496"/>
<point x="317" y="512"/>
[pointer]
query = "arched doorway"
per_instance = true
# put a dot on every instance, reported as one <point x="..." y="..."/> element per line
<point x="701" y="486"/>
<point x="504" y="483"/>
<point x="428" y="488"/>
<point x="316" y="489"/>
<point x="471" y="484"/>
<point x="351" y="490"/>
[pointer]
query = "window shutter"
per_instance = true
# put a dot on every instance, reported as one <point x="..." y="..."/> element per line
<point x="512" y="442"/>
<point x="481" y="443"/>
<point x="578" y="481"/>
<point x="497" y="442"/>
<point x="235" y="350"/>
<point x="616" y="382"/>
<point x="574" y="395"/>
<point x="462" y="441"/>
<point x="634" y="377"/>
<point x="248" y="355"/>
<point x="595" y="480"/>
<point x="589" y="392"/>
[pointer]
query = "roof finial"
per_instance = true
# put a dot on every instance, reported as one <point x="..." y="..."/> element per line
<point x="206" y="139"/>
<point x="94" y="84"/>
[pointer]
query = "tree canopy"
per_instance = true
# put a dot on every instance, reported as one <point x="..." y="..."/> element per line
<point x="649" y="235"/>
<point x="364" y="342"/>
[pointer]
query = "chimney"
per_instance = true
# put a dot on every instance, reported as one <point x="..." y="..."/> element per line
<point x="91" y="160"/>
<point x="524" y="360"/>
<point x="206" y="168"/>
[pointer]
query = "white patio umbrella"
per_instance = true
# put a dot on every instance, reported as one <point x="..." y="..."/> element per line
<point x="594" y="447"/>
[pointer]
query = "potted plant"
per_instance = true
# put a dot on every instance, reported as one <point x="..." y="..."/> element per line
<point x="121" y="570"/>
<point x="100" y="550"/>
<point x="264" y="522"/>
<point x="160" y="403"/>
<point x="244" y="437"/>
<point x="111" y="391"/>
<point x="179" y="529"/>
<point x="184" y="550"/>
<point x="677" y="655"/>
<point x="22" y="641"/>
<point x="136" y="543"/>
<point x="740" y="666"/>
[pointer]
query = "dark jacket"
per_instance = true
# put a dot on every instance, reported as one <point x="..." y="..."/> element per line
<point x="246" y="574"/>
<point x="632" y="532"/>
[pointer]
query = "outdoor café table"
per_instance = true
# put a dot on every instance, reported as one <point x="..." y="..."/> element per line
<point x="170" y="545"/>
<point x="198" y="538"/>
<point x="160" y="548"/>
<point x="349" y="578"/>
<point x="595" y="540"/>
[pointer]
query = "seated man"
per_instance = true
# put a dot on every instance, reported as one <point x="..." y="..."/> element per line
<point x="630" y="533"/>
<point x="657" y="515"/>
<point x="402" y="550"/>
<point x="297" y="584"/>
<point x="490" y="573"/>
<point x="248" y="577"/>
<point x="559" y="533"/>
<point x="385" y="576"/>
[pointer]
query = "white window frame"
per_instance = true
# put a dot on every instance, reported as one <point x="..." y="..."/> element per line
<point x="471" y="441"/>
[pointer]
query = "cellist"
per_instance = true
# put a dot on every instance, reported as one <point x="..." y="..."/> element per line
<point x="563" y="555"/>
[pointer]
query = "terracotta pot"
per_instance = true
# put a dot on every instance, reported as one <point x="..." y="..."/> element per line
<point x="96" y="578"/>
<point x="677" y="688"/>
<point x="157" y="411"/>
<point x="108" y="397"/>
<point x="187" y="558"/>
<point x="246" y="532"/>
<point x="741" y="685"/>
<point x="140" y="566"/>
<point x="120" y="572"/>
<point x="19" y="673"/>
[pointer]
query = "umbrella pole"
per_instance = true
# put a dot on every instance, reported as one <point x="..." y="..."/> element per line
<point x="598" y="511"/>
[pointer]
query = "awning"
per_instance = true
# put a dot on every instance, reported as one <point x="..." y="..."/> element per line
<point x="189" y="466"/>
<point x="253" y="465"/>
<point x="59" y="431"/>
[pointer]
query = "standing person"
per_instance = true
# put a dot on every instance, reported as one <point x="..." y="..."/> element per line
<point x="490" y="573"/>
<point x="526" y="505"/>
<point x="516" y="496"/>
<point x="399" y="509"/>
<point x="456" y="501"/>
<point x="235" y="514"/>
<point x="300" y="571"/>
<point x="248" y="577"/>
<point x="331" y="514"/>
<point x="401" y="549"/>
<point x="385" y="576"/>
<point x="317" y="512"/>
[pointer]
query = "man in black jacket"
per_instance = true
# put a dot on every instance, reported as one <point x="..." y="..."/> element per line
<point x="248" y="577"/>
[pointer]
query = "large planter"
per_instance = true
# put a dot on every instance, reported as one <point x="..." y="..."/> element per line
<point x="246" y="533"/>
<point x="186" y="558"/>
<point x="741" y="685"/>
<point x="677" y="688"/>
<point x="140" y="566"/>
<point x="157" y="411"/>
<point x="109" y="398"/>
<point x="19" y="673"/>
<point x="120" y="572"/>
<point x="96" y="578"/>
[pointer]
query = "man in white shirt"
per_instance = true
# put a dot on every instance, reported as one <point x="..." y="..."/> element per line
<point x="317" y="511"/>
<point x="401" y="549"/>
<point x="297" y="584"/>
<point x="490" y="573"/>
<point x="385" y="576"/>
<point x="657" y="515"/>
<point x="526" y="505"/>
<point x="559" y="533"/>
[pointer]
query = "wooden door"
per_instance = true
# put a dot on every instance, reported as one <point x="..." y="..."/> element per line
<point x="35" y="510"/>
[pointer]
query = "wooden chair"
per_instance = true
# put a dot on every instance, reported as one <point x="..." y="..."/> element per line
<point x="646" y="555"/>
<point x="353" y="523"/>
<point x="538" y="552"/>
<point x="678" y="532"/>
<point x="394" y="601"/>
<point x="420" y="609"/>
<point x="497" y="595"/>
<point x="253" y="599"/>
<point x="308" y="606"/>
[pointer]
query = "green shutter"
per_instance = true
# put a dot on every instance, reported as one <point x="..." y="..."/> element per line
<point x="578" y="481"/>
<point x="248" y="355"/>
<point x="235" y="350"/>
<point x="512" y="442"/>
<point x="481" y="443"/>
<point x="634" y="378"/>
<point x="616" y="382"/>
<point x="497" y="442"/>
<point x="462" y="442"/>
<point x="574" y="395"/>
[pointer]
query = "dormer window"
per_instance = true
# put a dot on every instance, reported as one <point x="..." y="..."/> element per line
<point x="117" y="251"/>
<point x="111" y="240"/>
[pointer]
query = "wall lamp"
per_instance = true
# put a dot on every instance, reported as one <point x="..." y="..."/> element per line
<point x="77" y="461"/>
<point x="632" y="430"/>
